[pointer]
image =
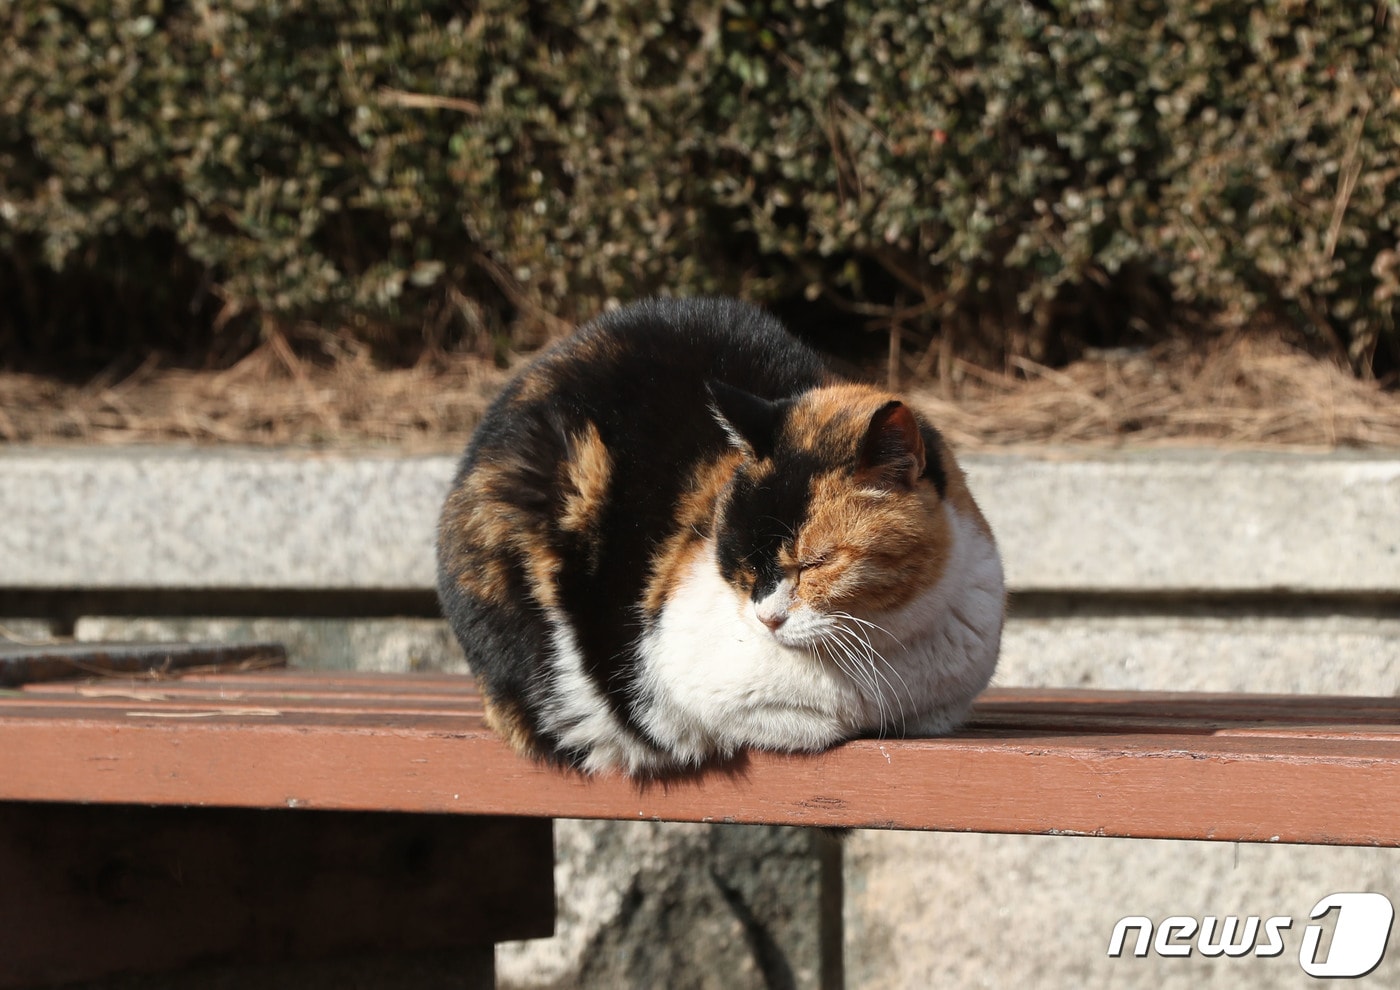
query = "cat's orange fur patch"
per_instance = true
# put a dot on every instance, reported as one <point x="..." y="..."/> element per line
<point x="482" y="530"/>
<point x="476" y="570"/>
<point x="535" y="384"/>
<point x="587" y="474"/>
<point x="865" y="549"/>
<point x="837" y="417"/>
<point x="834" y="418"/>
<point x="695" y="513"/>
<point x="506" y="720"/>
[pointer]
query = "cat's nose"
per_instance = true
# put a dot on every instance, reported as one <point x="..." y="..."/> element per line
<point x="773" y="622"/>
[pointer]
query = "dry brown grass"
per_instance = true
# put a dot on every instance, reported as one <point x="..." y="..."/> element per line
<point x="269" y="398"/>
<point x="1250" y="391"/>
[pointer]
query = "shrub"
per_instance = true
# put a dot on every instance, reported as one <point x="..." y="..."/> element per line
<point x="1006" y="177"/>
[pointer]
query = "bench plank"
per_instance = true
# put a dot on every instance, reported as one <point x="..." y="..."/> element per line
<point x="1161" y="765"/>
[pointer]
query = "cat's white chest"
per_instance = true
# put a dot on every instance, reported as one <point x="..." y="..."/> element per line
<point x="716" y="679"/>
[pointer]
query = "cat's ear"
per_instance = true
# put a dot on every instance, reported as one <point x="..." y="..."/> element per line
<point x="751" y="422"/>
<point x="892" y="454"/>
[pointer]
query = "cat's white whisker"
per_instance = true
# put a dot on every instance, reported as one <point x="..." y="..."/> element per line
<point x="822" y="651"/>
<point x="860" y="672"/>
<point x="873" y="655"/>
<point x="850" y="641"/>
<point x="855" y="669"/>
<point x="851" y="673"/>
<point x="872" y="625"/>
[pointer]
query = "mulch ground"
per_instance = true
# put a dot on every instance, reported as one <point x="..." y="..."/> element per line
<point x="1248" y="391"/>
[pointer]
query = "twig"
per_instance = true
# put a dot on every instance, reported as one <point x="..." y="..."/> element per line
<point x="427" y="101"/>
<point x="518" y="296"/>
<point x="1346" y="185"/>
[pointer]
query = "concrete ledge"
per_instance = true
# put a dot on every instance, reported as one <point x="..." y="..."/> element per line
<point x="200" y="519"/>
<point x="1174" y="523"/>
<point x="1202" y="521"/>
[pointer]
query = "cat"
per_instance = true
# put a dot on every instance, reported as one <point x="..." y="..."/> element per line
<point x="675" y="535"/>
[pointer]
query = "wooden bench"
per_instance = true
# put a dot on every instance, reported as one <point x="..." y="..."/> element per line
<point x="148" y="822"/>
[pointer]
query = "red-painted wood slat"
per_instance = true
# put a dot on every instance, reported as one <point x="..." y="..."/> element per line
<point x="1232" y="767"/>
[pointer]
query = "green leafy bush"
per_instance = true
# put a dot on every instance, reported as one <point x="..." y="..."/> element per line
<point x="1010" y="177"/>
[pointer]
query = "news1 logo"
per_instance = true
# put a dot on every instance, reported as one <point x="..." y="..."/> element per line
<point x="1359" y="936"/>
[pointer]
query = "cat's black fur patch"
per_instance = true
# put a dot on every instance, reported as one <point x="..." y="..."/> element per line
<point x="933" y="467"/>
<point x="765" y="511"/>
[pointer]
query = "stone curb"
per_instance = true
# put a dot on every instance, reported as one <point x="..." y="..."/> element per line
<point x="1172" y="523"/>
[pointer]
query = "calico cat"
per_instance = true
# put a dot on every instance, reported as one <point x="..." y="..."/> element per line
<point x="675" y="535"/>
